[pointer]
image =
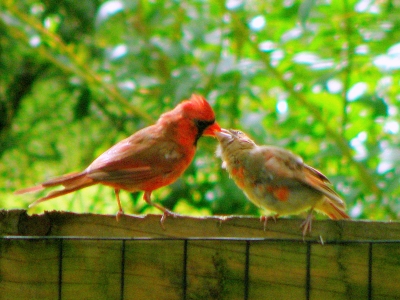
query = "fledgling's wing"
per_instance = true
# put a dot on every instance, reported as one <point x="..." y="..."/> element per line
<point x="318" y="181"/>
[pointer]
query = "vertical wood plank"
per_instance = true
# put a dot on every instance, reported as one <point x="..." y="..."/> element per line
<point x="277" y="270"/>
<point x="386" y="271"/>
<point x="28" y="269"/>
<point x="339" y="271"/>
<point x="91" y="269"/>
<point x="154" y="269"/>
<point x="216" y="269"/>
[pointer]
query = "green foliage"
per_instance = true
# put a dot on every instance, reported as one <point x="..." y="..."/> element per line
<point x="318" y="78"/>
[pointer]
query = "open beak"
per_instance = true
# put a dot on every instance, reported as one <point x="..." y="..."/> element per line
<point x="223" y="134"/>
<point x="212" y="130"/>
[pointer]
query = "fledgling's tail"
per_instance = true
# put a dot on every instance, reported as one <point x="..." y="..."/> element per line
<point x="328" y="207"/>
<point x="71" y="182"/>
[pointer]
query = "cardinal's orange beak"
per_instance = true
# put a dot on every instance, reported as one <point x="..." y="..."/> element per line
<point x="210" y="131"/>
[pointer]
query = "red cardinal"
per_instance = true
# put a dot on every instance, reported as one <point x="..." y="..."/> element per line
<point x="147" y="160"/>
<point x="276" y="179"/>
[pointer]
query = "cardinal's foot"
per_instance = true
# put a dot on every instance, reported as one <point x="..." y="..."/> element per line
<point x="166" y="214"/>
<point x="119" y="213"/>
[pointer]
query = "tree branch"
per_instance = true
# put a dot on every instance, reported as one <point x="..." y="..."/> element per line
<point x="75" y="65"/>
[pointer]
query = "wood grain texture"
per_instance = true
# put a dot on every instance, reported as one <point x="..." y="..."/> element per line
<point x="277" y="269"/>
<point x="339" y="271"/>
<point x="86" y="256"/>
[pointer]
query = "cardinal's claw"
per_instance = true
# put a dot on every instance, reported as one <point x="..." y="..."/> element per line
<point x="165" y="215"/>
<point x="119" y="213"/>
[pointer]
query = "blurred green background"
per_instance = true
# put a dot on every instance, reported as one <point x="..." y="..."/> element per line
<point x="320" y="78"/>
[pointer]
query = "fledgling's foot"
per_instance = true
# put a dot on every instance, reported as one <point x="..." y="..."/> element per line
<point x="222" y="219"/>
<point x="306" y="225"/>
<point x="265" y="220"/>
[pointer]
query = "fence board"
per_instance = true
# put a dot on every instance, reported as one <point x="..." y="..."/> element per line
<point x="386" y="271"/>
<point x="91" y="268"/>
<point x="216" y="269"/>
<point x="153" y="269"/>
<point x="339" y="271"/>
<point x="278" y="269"/>
<point x="29" y="269"/>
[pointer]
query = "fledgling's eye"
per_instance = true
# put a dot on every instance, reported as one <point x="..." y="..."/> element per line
<point x="236" y="132"/>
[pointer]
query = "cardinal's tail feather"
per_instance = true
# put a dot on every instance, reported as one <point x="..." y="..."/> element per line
<point x="65" y="180"/>
<point x="64" y="191"/>
<point x="333" y="211"/>
<point x="71" y="182"/>
<point x="32" y="189"/>
<point x="61" y="180"/>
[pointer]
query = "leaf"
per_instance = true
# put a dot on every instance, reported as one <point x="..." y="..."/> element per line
<point x="376" y="103"/>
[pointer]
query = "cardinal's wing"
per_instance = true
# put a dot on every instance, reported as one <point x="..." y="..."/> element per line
<point x="134" y="161"/>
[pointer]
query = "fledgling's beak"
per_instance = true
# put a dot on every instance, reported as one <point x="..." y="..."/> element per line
<point x="212" y="130"/>
<point x="223" y="134"/>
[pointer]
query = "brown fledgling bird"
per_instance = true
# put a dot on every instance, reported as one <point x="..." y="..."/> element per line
<point x="153" y="157"/>
<point x="276" y="179"/>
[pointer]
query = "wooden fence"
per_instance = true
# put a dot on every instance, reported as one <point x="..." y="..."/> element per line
<point x="60" y="255"/>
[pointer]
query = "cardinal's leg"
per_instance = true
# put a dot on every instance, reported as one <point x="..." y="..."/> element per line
<point x="120" y="211"/>
<point x="166" y="212"/>
<point x="306" y="225"/>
